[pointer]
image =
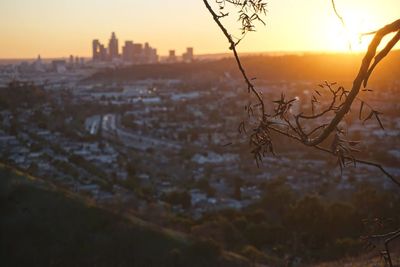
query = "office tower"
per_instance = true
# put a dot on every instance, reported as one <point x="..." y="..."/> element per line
<point x="128" y="51"/>
<point x="71" y="60"/>
<point x="113" y="47"/>
<point x="96" y="50"/>
<point x="137" y="53"/>
<point x="102" y="53"/>
<point x="189" y="55"/>
<point x="172" y="56"/>
<point x="153" y="56"/>
<point x="147" y="52"/>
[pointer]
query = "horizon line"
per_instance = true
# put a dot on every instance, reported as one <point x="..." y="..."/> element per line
<point x="228" y="54"/>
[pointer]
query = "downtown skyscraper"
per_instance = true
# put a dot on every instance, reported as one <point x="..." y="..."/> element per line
<point x="113" y="49"/>
<point x="131" y="53"/>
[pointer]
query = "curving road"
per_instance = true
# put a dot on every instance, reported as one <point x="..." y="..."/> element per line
<point x="112" y="129"/>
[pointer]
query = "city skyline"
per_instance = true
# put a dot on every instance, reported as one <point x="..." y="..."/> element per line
<point x="176" y="24"/>
<point x="133" y="52"/>
<point x="130" y="51"/>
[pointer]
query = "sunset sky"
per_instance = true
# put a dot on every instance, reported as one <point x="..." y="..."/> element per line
<point x="58" y="28"/>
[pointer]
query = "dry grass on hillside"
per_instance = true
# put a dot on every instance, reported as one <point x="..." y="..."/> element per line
<point x="368" y="260"/>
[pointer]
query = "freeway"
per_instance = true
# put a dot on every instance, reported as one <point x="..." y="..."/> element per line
<point x="112" y="129"/>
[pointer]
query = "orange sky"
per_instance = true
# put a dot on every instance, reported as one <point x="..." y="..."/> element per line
<point x="58" y="28"/>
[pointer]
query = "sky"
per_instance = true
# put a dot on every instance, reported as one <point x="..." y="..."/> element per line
<point x="59" y="28"/>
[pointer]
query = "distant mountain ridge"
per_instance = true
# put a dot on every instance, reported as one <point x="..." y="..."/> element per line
<point x="319" y="67"/>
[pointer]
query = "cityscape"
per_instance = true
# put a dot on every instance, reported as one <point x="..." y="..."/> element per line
<point x="102" y="57"/>
<point x="135" y="53"/>
<point x="160" y="143"/>
<point x="128" y="156"/>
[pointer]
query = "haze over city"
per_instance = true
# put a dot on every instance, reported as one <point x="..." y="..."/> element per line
<point x="169" y="133"/>
<point x="64" y="27"/>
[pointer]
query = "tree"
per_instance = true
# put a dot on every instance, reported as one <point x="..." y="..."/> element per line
<point x="303" y="126"/>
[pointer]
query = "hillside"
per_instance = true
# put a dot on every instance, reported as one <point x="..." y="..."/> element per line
<point x="370" y="260"/>
<point x="338" y="67"/>
<point x="45" y="226"/>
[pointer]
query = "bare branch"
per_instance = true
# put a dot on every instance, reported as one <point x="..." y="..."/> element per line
<point x="239" y="63"/>
<point x="340" y="104"/>
<point x="360" y="80"/>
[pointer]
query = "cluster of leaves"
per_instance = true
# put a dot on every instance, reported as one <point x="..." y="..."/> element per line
<point x="325" y="102"/>
<point x="285" y="119"/>
<point x="249" y="12"/>
<point x="344" y="149"/>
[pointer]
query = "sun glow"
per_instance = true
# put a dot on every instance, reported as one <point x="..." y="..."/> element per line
<point x="349" y="36"/>
<point x="291" y="26"/>
<point x="360" y="17"/>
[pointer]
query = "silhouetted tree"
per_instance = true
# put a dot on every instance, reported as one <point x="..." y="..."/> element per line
<point x="303" y="126"/>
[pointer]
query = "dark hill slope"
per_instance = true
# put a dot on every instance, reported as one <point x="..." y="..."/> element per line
<point x="41" y="225"/>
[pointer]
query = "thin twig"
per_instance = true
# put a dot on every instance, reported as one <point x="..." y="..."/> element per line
<point x="236" y="55"/>
<point x="341" y="20"/>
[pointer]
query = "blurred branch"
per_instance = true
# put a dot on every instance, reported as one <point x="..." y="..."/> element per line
<point x="341" y="20"/>
<point x="337" y="13"/>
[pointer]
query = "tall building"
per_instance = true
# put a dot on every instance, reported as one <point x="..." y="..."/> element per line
<point x="71" y="61"/>
<point x="131" y="52"/>
<point x="102" y="53"/>
<point x="153" y="56"/>
<point x="96" y="50"/>
<point x="147" y="52"/>
<point x="113" y="47"/>
<point x="189" y="55"/>
<point x="171" y="57"/>
<point x="137" y="53"/>
<point x="150" y="54"/>
<point x="128" y="51"/>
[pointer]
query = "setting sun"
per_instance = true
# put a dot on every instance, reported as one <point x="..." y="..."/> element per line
<point x="352" y="35"/>
<point x="344" y="37"/>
